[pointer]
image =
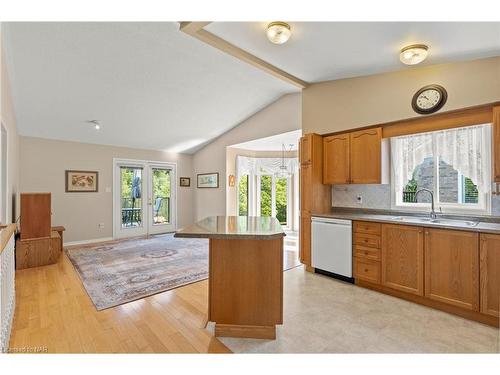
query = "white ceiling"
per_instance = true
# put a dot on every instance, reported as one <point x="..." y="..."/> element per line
<point x="151" y="85"/>
<point x="273" y="143"/>
<point x="319" y="51"/>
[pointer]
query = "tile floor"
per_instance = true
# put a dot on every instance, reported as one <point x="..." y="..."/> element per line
<point x="323" y="315"/>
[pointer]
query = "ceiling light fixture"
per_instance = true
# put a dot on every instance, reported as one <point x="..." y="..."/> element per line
<point x="95" y="123"/>
<point x="278" y="32"/>
<point x="414" y="54"/>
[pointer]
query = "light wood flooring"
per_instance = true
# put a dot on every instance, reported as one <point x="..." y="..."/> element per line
<point x="54" y="314"/>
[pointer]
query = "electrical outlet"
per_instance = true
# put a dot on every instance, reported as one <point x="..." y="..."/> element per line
<point x="101" y="225"/>
<point x="359" y="199"/>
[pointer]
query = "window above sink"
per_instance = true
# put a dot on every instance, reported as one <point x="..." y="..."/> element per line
<point x="454" y="164"/>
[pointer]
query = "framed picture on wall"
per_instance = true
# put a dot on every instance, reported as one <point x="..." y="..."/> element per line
<point x="208" y="180"/>
<point x="185" y="182"/>
<point x="81" y="181"/>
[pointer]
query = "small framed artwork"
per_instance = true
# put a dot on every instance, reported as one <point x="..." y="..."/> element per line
<point x="185" y="181"/>
<point x="81" y="181"/>
<point x="208" y="180"/>
<point x="231" y="180"/>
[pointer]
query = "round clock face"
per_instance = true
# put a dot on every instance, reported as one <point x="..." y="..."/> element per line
<point x="429" y="99"/>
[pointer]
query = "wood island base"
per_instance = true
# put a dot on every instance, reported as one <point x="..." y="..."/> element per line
<point x="254" y="332"/>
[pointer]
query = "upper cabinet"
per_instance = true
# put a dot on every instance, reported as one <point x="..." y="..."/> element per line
<point x="496" y="144"/>
<point x="366" y="152"/>
<point x="336" y="159"/>
<point x="353" y="158"/>
<point x="306" y="149"/>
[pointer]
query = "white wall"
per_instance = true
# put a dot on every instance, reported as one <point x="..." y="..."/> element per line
<point x="8" y="119"/>
<point x="282" y="116"/>
<point x="43" y="163"/>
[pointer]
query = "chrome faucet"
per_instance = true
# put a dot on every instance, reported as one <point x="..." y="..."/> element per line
<point x="433" y="213"/>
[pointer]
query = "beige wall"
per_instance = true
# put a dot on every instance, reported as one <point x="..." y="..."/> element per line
<point x="8" y="119"/>
<point x="282" y="116"/>
<point x="231" y="153"/>
<point x="350" y="103"/>
<point x="43" y="163"/>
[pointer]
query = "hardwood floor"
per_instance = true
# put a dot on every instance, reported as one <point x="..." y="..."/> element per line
<point x="55" y="315"/>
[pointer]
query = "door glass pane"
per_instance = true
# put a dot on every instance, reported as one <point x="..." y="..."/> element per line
<point x="281" y="200"/>
<point x="265" y="196"/>
<point x="161" y="196"/>
<point x="131" y="196"/>
<point x="243" y="196"/>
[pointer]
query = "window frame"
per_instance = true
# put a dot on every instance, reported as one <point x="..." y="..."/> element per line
<point x="483" y="207"/>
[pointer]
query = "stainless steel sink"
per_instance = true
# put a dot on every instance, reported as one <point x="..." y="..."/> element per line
<point x="449" y="222"/>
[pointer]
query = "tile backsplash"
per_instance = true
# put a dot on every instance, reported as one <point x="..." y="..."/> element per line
<point x="377" y="196"/>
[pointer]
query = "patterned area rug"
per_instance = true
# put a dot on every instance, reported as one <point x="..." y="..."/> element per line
<point x="122" y="271"/>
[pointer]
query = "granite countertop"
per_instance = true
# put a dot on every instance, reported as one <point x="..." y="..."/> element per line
<point x="6" y="232"/>
<point x="234" y="227"/>
<point x="466" y="223"/>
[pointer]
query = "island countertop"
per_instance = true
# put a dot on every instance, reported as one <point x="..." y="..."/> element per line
<point x="234" y="227"/>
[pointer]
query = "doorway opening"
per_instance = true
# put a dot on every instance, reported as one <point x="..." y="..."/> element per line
<point x="266" y="179"/>
<point x="144" y="198"/>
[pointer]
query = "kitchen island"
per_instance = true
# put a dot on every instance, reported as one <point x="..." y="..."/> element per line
<point x="245" y="296"/>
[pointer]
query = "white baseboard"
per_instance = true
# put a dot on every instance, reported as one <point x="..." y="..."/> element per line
<point x="85" y="242"/>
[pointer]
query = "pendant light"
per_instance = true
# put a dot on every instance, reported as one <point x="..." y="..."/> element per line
<point x="283" y="171"/>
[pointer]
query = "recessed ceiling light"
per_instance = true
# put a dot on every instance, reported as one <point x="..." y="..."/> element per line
<point x="95" y="123"/>
<point x="414" y="54"/>
<point x="278" y="32"/>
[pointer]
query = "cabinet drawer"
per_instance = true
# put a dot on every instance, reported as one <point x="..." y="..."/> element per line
<point x="367" y="227"/>
<point x="366" y="252"/>
<point x="368" y="270"/>
<point x="369" y="240"/>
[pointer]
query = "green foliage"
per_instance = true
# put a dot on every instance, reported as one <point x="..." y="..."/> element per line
<point x="243" y="196"/>
<point x="265" y="195"/>
<point x="281" y="200"/>
<point x="471" y="194"/>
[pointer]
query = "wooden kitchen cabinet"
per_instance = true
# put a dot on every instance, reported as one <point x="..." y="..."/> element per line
<point x="452" y="267"/>
<point x="490" y="274"/>
<point x="353" y="158"/>
<point x="366" y="154"/>
<point x="336" y="163"/>
<point x="305" y="239"/>
<point x="315" y="197"/>
<point x="305" y="149"/>
<point x="403" y="258"/>
<point x="496" y="144"/>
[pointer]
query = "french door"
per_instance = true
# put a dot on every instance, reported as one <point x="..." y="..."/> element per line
<point x="144" y="198"/>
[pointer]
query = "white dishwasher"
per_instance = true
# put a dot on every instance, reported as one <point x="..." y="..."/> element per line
<point x="332" y="247"/>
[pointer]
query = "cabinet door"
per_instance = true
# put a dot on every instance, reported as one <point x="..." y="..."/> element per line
<point x="366" y="154"/>
<point x="305" y="175"/>
<point x="305" y="238"/>
<point x="403" y="258"/>
<point x="489" y="271"/>
<point x="452" y="267"/>
<point x="305" y="149"/>
<point x="336" y="159"/>
<point x="496" y="143"/>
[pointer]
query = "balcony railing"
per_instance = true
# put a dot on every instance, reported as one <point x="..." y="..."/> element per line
<point x="132" y="211"/>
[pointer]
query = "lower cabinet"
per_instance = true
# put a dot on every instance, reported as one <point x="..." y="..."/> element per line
<point x="305" y="239"/>
<point x="403" y="258"/>
<point x="452" y="267"/>
<point x="490" y="274"/>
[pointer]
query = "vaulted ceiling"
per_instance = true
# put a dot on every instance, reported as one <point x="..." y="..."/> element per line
<point x="154" y="87"/>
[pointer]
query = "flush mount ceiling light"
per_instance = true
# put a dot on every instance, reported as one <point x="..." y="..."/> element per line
<point x="278" y="32"/>
<point x="95" y="123"/>
<point x="414" y="54"/>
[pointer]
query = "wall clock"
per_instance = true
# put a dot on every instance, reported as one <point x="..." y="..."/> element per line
<point x="429" y="99"/>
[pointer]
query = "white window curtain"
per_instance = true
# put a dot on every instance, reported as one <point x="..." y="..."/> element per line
<point x="462" y="148"/>
<point x="262" y="166"/>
